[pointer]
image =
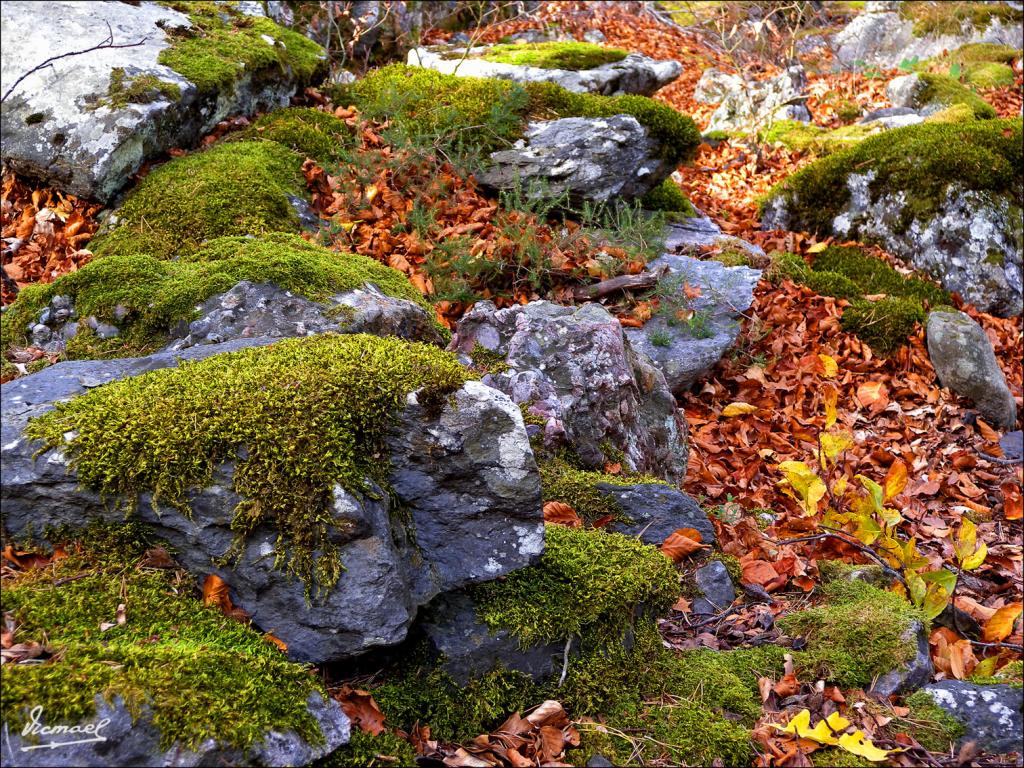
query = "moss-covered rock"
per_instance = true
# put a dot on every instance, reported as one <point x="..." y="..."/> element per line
<point x="807" y="137"/>
<point x="563" y="481"/>
<point x="146" y="297"/>
<point x="949" y="18"/>
<point x="569" y="54"/>
<point x="309" y="132"/>
<point x="492" y="113"/>
<point x="934" y="728"/>
<point x="668" y="197"/>
<point x="141" y="89"/>
<point x="191" y="671"/>
<point x="242" y="188"/>
<point x="297" y="417"/>
<point x="945" y="91"/>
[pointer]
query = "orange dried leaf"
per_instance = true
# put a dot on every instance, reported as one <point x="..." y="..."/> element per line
<point x="1000" y="626"/>
<point x="680" y="543"/>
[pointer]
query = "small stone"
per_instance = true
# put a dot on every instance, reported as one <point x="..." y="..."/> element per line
<point x="911" y="676"/>
<point x="44" y="317"/>
<point x="106" y="330"/>
<point x="715" y="583"/>
<point x="40" y="334"/>
<point x="120" y="312"/>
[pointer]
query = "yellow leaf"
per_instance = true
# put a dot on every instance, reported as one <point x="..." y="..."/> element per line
<point x="1000" y="626"/>
<point x="371" y="193"/>
<point x="966" y="537"/>
<point x="975" y="560"/>
<point x="830" y="365"/>
<point x="987" y="667"/>
<point x="805" y="486"/>
<point x="823" y="733"/>
<point x="817" y="248"/>
<point x="834" y="443"/>
<point x="798" y="724"/>
<point x="857" y="743"/>
<point x="935" y="601"/>
<point x="831" y="396"/>
<point x="895" y="480"/>
<point x="738" y="409"/>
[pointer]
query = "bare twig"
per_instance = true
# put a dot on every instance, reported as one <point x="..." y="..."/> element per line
<point x="621" y="283"/>
<point x="108" y="42"/>
<point x="889" y="571"/>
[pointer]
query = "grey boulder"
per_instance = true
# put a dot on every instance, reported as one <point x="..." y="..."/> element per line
<point x="991" y="714"/>
<point x="716" y="588"/>
<point x="655" y="511"/>
<point x="58" y="124"/>
<point x="574" y="367"/>
<point x="597" y="159"/>
<point x="753" y="105"/>
<point x="636" y="74"/>
<point x="135" y="741"/>
<point x="464" y="507"/>
<point x="965" y="362"/>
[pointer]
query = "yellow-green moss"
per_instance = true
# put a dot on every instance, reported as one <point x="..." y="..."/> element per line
<point x="933" y="727"/>
<point x="948" y="17"/>
<point x="563" y="481"/>
<point x="668" y="197"/>
<point x="919" y="160"/>
<point x="941" y="89"/>
<point x="309" y="132"/>
<point x="491" y="113"/>
<point x="142" y="89"/>
<point x="859" y="633"/>
<point x="958" y="113"/>
<point x="990" y="74"/>
<point x="807" y="137"/>
<point x="153" y="295"/>
<point x="570" y="55"/>
<point x="1011" y="674"/>
<point x="585" y="579"/>
<point x="201" y="674"/>
<point x="239" y="188"/>
<point x="309" y="414"/>
<point x="223" y="45"/>
<point x="873" y="276"/>
<point x="367" y="751"/>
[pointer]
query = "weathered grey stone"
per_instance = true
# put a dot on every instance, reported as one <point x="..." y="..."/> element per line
<point x="715" y="85"/>
<point x="753" y="105"/>
<point x="656" y="511"/>
<point x="971" y="244"/>
<point x="55" y="124"/>
<point x="715" y="584"/>
<point x="686" y="351"/>
<point x="576" y="369"/>
<point x="128" y="741"/>
<point x="991" y="714"/>
<point x="463" y="477"/>
<point x="965" y="362"/>
<point x="595" y="159"/>
<point x="635" y="73"/>
<point x="884" y="38"/>
<point x="912" y="675"/>
<point x="893" y="117"/>
<point x="1012" y="444"/>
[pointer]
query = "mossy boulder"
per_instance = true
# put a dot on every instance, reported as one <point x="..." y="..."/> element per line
<point x="308" y="132"/>
<point x="945" y="197"/>
<point x="87" y="125"/>
<point x="170" y="677"/>
<point x="150" y="302"/>
<point x="319" y="472"/>
<point x="568" y="54"/>
<point x="930" y="92"/>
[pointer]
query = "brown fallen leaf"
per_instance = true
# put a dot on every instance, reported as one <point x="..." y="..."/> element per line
<point x="680" y="543"/>
<point x="560" y="513"/>
<point x="361" y="709"/>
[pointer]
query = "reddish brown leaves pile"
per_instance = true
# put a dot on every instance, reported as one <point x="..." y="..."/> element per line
<point x="44" y="232"/>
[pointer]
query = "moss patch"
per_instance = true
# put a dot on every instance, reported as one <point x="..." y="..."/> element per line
<point x="569" y="55"/>
<point x="920" y="160"/>
<point x="950" y="17"/>
<point x="491" y="113"/>
<point x="141" y="89"/>
<point x="668" y="197"/>
<point x="309" y="413"/>
<point x="240" y="188"/>
<point x="366" y="751"/>
<point x="941" y="89"/>
<point x="309" y="132"/>
<point x="201" y="674"/>
<point x="585" y="578"/>
<point x="153" y="296"/>
<point x="224" y="45"/>
<point x="856" y="636"/>
<point x="806" y="137"/>
<point x="563" y="481"/>
<point x="934" y="728"/>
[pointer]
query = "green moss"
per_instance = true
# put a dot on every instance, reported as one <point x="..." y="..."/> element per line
<point x="238" y="188"/>
<point x="934" y="728"/>
<point x="984" y="53"/>
<point x="948" y="18"/>
<point x="365" y="750"/>
<point x="488" y="360"/>
<point x="920" y="160"/>
<point x="667" y="197"/>
<point x="201" y="674"/>
<point x="142" y="89"/>
<point x="562" y="481"/>
<point x="308" y="413"/>
<point x="309" y="132"/>
<point x="223" y="45"/>
<point x="941" y="89"/>
<point x="806" y="137"/>
<point x="885" y="324"/>
<point x="554" y="55"/>
<point x="834" y="757"/>
<point x="491" y="113"/>
<point x="858" y="634"/>
<point x="990" y="75"/>
<point x="958" y="113"/>
<point x="732" y="256"/>
<point x="793" y="134"/>
<point x="1011" y="674"/>
<point x="873" y="275"/>
<point x="153" y="296"/>
<point x="584" y="578"/>
<point x="832" y="284"/>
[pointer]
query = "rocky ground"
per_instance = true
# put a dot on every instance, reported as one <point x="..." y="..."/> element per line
<point x="512" y="384"/>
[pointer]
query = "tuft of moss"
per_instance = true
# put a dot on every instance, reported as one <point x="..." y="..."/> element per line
<point x="491" y="113"/>
<point x="239" y="188"/>
<point x="884" y="324"/>
<point x="1011" y="674"/>
<point x="806" y="137"/>
<point x="225" y="44"/>
<point x="367" y="751"/>
<point x="859" y="633"/>
<point x="990" y="74"/>
<point x="873" y="275"/>
<point x="569" y="55"/>
<point x="297" y="417"/>
<point x="933" y="727"/>
<point x="949" y="18"/>
<point x="942" y="89"/>
<point x="561" y="480"/>
<point x="585" y="578"/>
<point x="958" y="113"/>
<point x="146" y="298"/>
<point x="309" y="132"/>
<point x="919" y="160"/>
<point x="141" y="89"/>
<point x="668" y="197"/>
<point x="200" y="673"/>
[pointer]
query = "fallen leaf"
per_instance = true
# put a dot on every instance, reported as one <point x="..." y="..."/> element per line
<point x="738" y="409"/>
<point x="361" y="709"/>
<point x="1000" y="626"/>
<point x="559" y="513"/>
<point x="680" y="543"/>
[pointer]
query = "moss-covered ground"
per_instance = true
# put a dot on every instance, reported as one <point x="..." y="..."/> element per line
<point x="309" y="132"/>
<point x="951" y="16"/>
<point x="199" y="673"/>
<point x="919" y="160"/>
<point x="309" y="414"/>
<point x="569" y="55"/>
<point x="944" y="90"/>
